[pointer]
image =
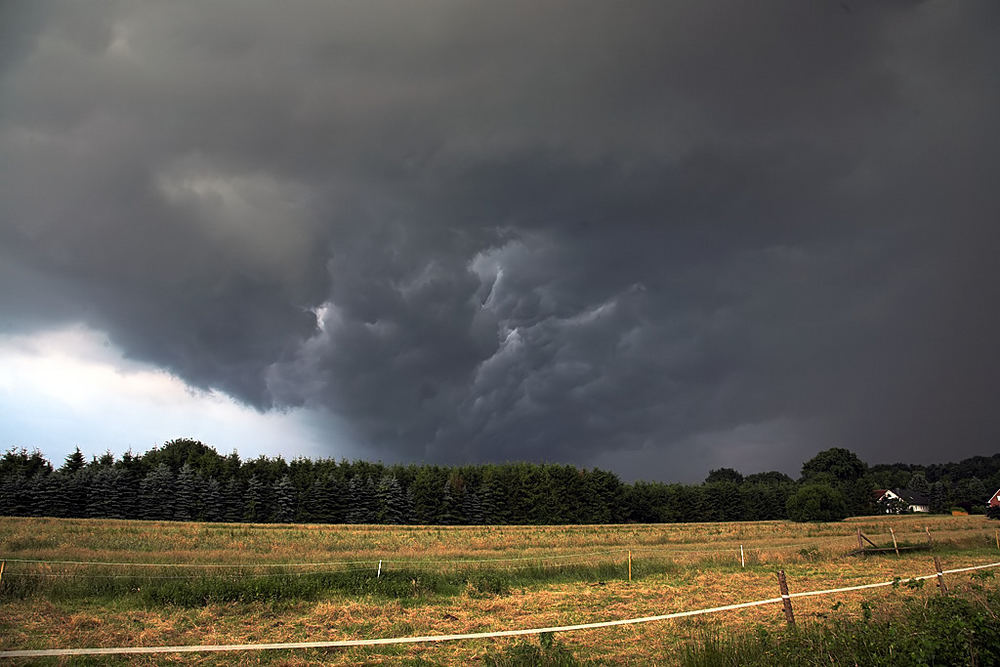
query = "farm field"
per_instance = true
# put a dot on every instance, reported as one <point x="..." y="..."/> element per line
<point x="202" y="583"/>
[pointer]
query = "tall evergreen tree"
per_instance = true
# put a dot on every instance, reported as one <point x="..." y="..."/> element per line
<point x="232" y="500"/>
<point x="101" y="497"/>
<point x="390" y="500"/>
<point x="939" y="497"/>
<point x="74" y="462"/>
<point x="918" y="482"/>
<point x="361" y="494"/>
<point x="186" y="496"/>
<point x="156" y="493"/>
<point x="212" y="506"/>
<point x="253" y="502"/>
<point x="285" y="500"/>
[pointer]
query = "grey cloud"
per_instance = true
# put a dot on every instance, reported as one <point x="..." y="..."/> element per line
<point x="569" y="232"/>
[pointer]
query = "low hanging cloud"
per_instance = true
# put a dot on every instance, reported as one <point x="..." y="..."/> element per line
<point x="660" y="239"/>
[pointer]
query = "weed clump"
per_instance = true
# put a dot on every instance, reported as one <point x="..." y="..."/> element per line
<point x="547" y="653"/>
<point x="490" y="584"/>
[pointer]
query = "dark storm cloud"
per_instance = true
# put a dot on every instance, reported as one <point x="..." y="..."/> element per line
<point x="660" y="237"/>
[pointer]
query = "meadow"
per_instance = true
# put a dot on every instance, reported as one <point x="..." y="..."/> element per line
<point x="83" y="583"/>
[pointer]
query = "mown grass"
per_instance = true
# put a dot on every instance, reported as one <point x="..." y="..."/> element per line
<point x="439" y="581"/>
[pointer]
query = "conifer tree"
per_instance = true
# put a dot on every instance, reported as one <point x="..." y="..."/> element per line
<point x="361" y="495"/>
<point x="472" y="508"/>
<point x="253" y="501"/>
<point x="186" y="495"/>
<point x="212" y="506"/>
<point x="74" y="462"/>
<point x="390" y="500"/>
<point x="939" y="497"/>
<point x="232" y="501"/>
<point x="156" y="493"/>
<point x="101" y="494"/>
<point x="335" y="490"/>
<point x="284" y="500"/>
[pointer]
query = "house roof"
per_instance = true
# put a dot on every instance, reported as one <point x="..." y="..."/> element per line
<point x="912" y="497"/>
<point x="909" y="496"/>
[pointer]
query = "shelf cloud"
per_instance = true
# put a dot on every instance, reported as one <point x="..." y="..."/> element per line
<point x="658" y="238"/>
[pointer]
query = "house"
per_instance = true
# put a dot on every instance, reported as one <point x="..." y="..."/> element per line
<point x="995" y="500"/>
<point x="904" y="500"/>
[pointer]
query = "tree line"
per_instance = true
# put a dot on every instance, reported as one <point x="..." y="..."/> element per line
<point x="187" y="480"/>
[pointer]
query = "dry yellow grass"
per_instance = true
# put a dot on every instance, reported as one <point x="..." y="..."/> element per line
<point x="704" y="572"/>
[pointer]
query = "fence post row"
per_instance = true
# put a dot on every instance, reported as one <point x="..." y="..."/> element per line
<point x="786" y="601"/>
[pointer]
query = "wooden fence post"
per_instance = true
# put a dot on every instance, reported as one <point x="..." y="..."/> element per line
<point x="630" y="565"/>
<point x="3" y="564"/>
<point x="940" y="575"/>
<point x="998" y="538"/>
<point x="786" y="601"/>
<point x="743" y="562"/>
<point x="894" y="545"/>
<point x="378" y="575"/>
<point x="861" y="545"/>
<point x="929" y="540"/>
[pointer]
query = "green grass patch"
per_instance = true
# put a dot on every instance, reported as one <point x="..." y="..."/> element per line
<point x="152" y="589"/>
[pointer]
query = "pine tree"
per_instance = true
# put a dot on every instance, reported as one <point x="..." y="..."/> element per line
<point x="186" y="497"/>
<point x="336" y="491"/>
<point x="316" y="504"/>
<point x="100" y="498"/>
<point x="156" y="493"/>
<point x="408" y="506"/>
<point x="425" y="491"/>
<point x="918" y="483"/>
<point x="473" y="509"/>
<point x="253" y="502"/>
<point x="448" y="514"/>
<point x="489" y="498"/>
<point x="74" y="462"/>
<point x="390" y="500"/>
<point x="57" y="492"/>
<point x="284" y="500"/>
<point x="212" y="507"/>
<point x="361" y="493"/>
<point x="12" y="495"/>
<point x="939" y="497"/>
<point x="232" y="501"/>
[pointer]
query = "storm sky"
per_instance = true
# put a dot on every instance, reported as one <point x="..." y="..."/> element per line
<point x="656" y="237"/>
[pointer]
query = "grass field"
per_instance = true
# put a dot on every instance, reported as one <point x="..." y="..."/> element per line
<point x="195" y="583"/>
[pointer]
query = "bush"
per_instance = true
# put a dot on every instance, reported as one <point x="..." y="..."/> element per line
<point x="816" y="502"/>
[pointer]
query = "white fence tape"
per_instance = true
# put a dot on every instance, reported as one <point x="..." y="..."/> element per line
<point x="345" y="643"/>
